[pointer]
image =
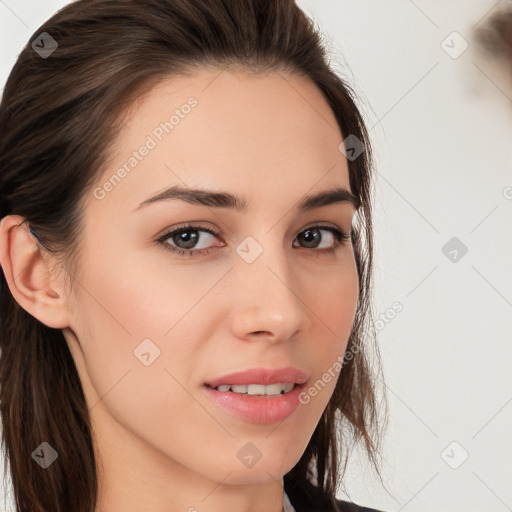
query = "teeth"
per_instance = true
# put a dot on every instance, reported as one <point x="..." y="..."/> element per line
<point x="272" y="389"/>
<point x="239" y="389"/>
<point x="258" y="389"/>
<point x="288" y="386"/>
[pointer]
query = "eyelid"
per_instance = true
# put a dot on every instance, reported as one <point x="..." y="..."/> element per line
<point x="204" y="225"/>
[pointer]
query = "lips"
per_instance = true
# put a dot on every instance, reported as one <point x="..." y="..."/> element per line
<point x="255" y="407"/>
<point x="264" y="376"/>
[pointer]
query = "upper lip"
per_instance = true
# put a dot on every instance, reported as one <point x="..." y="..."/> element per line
<point x="261" y="376"/>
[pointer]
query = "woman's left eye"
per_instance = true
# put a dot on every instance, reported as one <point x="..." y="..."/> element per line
<point x="185" y="239"/>
<point x="313" y="237"/>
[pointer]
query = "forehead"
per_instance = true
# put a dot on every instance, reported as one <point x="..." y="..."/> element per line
<point x="231" y="130"/>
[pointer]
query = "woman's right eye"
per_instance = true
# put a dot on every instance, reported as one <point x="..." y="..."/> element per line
<point x="187" y="237"/>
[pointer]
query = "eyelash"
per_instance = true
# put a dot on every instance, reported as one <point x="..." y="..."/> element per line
<point x="341" y="238"/>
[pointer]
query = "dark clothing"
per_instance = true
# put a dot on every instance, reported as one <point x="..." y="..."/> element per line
<point x="310" y="499"/>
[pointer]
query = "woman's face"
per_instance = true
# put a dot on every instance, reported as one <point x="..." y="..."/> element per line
<point x="151" y="329"/>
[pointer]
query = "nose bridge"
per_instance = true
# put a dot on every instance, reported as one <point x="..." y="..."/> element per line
<point x="266" y="298"/>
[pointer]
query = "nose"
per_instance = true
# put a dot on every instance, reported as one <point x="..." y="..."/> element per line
<point x="266" y="301"/>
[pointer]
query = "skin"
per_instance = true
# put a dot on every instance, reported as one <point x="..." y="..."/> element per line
<point x="161" y="444"/>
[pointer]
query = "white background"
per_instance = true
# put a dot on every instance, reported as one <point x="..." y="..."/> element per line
<point x="442" y="129"/>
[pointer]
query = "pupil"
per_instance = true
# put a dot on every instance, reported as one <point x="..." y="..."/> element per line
<point x="189" y="237"/>
<point x="311" y="236"/>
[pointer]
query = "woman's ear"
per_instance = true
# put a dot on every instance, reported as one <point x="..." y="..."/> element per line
<point x="29" y="275"/>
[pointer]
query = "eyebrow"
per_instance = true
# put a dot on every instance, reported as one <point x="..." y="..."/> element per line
<point x="213" y="199"/>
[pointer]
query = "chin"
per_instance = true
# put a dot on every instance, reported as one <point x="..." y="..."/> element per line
<point x="234" y="470"/>
<point x="273" y="465"/>
<point x="258" y="474"/>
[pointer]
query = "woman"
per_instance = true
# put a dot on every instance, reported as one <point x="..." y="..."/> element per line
<point x="186" y="248"/>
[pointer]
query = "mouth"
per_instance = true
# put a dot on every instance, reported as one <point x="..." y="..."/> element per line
<point x="280" y="388"/>
<point x="258" y="395"/>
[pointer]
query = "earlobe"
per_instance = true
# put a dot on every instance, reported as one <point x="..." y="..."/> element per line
<point x="28" y="275"/>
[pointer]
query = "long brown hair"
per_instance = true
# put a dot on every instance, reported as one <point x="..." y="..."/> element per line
<point x="59" y="115"/>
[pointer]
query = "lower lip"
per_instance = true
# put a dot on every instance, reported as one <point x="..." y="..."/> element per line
<point x="257" y="408"/>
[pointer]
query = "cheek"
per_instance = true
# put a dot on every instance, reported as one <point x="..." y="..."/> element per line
<point x="334" y="306"/>
<point x="135" y="300"/>
<point x="128" y="317"/>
